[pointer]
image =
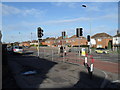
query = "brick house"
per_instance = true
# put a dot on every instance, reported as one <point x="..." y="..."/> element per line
<point x="49" y="42"/>
<point x="72" y="41"/>
<point x="25" y="43"/>
<point x="101" y="40"/>
<point x="58" y="42"/>
<point x="34" y="42"/>
<point x="75" y="41"/>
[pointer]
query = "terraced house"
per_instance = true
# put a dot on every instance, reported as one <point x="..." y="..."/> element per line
<point x="72" y="41"/>
<point x="50" y="41"/>
<point x="76" y="41"/>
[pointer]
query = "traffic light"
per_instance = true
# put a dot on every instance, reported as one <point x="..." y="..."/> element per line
<point x="40" y="32"/>
<point x="79" y="32"/>
<point x="63" y="34"/>
<point x="88" y="38"/>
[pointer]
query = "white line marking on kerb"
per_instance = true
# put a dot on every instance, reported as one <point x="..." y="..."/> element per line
<point x="104" y="81"/>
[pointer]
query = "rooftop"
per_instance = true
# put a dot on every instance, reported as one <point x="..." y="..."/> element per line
<point x="99" y="35"/>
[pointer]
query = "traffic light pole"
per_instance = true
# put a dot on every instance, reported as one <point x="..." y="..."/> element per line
<point x="40" y="34"/>
<point x="79" y="46"/>
<point x="38" y="47"/>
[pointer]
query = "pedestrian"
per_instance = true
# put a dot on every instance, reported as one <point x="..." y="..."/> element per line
<point x="61" y="51"/>
<point x="65" y="52"/>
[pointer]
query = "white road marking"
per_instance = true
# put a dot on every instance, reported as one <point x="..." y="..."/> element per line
<point x="116" y="81"/>
<point x="104" y="81"/>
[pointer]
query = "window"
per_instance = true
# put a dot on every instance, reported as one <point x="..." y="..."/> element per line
<point x="99" y="39"/>
<point x="73" y="40"/>
<point x="66" y="40"/>
<point x="99" y="46"/>
<point x="48" y="41"/>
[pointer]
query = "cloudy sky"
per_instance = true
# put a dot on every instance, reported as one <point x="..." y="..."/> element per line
<point x="20" y="19"/>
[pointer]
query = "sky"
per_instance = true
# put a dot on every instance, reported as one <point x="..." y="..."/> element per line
<point x="20" y="20"/>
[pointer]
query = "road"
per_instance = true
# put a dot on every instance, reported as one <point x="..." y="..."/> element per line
<point x="110" y="64"/>
<point x="107" y="57"/>
<point x="114" y="58"/>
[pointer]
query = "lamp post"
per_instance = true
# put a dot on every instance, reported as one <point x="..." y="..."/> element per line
<point x="90" y="32"/>
<point x="31" y="36"/>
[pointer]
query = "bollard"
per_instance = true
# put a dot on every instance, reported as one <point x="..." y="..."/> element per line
<point x="91" y="67"/>
<point x="91" y="71"/>
<point x="85" y="60"/>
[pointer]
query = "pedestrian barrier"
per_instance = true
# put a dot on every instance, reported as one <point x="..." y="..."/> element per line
<point x="70" y="57"/>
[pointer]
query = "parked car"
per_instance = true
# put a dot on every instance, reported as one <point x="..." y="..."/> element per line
<point x="18" y="49"/>
<point x="101" y="50"/>
<point x="26" y="46"/>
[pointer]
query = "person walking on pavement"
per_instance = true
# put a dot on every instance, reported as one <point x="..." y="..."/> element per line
<point x="65" y="52"/>
<point x="61" y="51"/>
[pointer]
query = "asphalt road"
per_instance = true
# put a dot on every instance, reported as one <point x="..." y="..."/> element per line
<point x="107" y="57"/>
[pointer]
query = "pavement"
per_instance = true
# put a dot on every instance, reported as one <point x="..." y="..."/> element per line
<point x="56" y="74"/>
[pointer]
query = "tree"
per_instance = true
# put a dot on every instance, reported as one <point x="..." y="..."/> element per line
<point x="110" y="44"/>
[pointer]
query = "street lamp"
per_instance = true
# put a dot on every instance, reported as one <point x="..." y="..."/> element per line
<point x="90" y="30"/>
<point x="83" y="5"/>
<point x="31" y="36"/>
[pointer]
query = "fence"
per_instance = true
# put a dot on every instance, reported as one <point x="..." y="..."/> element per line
<point x="54" y="54"/>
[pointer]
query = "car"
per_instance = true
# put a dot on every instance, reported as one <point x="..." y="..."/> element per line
<point x="18" y="49"/>
<point x="101" y="50"/>
<point x="9" y="48"/>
